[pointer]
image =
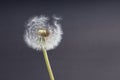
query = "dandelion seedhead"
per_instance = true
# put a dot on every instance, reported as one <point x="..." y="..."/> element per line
<point x="42" y="27"/>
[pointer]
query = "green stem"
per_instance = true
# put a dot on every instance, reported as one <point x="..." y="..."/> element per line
<point x="48" y="64"/>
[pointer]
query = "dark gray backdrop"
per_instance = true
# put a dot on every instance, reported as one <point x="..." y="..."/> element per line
<point x="90" y="48"/>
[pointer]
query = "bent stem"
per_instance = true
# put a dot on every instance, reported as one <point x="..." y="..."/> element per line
<point x="47" y="63"/>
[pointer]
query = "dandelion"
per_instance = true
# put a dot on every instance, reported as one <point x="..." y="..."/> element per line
<point x="42" y="35"/>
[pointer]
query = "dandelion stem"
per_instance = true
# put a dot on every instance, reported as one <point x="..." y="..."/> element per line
<point x="47" y="63"/>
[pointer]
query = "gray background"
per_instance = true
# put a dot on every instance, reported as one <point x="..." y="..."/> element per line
<point x="90" y="48"/>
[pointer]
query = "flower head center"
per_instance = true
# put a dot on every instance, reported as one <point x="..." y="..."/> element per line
<point x="43" y="32"/>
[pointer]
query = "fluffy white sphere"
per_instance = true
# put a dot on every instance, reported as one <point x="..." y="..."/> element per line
<point x="33" y="39"/>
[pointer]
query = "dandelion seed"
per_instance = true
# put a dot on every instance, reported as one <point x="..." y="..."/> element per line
<point x="52" y="32"/>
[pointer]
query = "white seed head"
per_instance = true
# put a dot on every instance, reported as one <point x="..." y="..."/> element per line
<point x="39" y="27"/>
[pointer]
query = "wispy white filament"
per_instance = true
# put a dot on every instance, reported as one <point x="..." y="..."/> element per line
<point x="33" y="39"/>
